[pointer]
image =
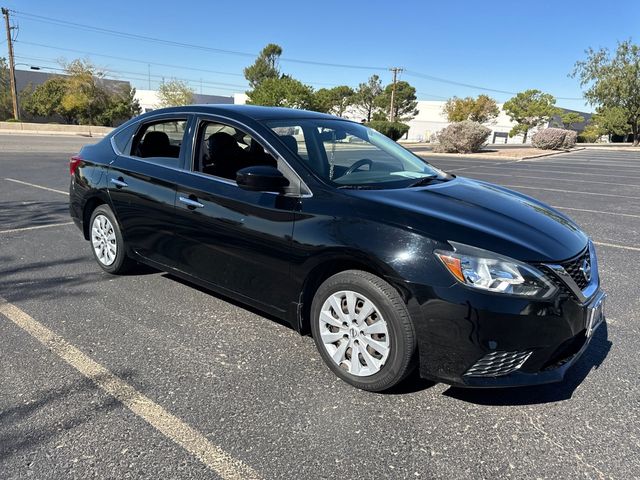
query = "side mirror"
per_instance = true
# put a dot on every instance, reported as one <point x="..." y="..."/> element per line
<point x="261" y="179"/>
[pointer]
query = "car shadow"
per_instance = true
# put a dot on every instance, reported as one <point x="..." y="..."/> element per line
<point x="230" y="300"/>
<point x="592" y="358"/>
<point x="412" y="384"/>
<point x="17" y="214"/>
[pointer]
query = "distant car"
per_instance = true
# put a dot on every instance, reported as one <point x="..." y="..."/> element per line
<point x="388" y="261"/>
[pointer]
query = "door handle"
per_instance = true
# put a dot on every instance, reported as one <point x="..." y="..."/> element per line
<point x="119" y="183"/>
<point x="191" y="203"/>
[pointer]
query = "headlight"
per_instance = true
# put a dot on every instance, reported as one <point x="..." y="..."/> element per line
<point x="492" y="272"/>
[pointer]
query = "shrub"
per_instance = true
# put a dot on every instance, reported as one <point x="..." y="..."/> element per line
<point x="554" y="139"/>
<point x="462" y="137"/>
<point x="570" y="139"/>
<point x="393" y="130"/>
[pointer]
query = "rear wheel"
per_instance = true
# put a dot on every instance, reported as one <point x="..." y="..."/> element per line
<point x="362" y="330"/>
<point x="107" y="244"/>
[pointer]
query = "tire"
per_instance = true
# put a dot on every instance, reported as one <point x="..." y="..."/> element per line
<point x="383" y="338"/>
<point x="106" y="241"/>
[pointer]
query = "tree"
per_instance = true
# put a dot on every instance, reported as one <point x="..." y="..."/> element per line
<point x="46" y="100"/>
<point x="393" y="130"/>
<point x="85" y="93"/>
<point x="404" y="101"/>
<point x="613" y="81"/>
<point x="612" y="121"/>
<point x="591" y="133"/>
<point x="482" y="109"/>
<point x="334" y="100"/>
<point x="570" y="119"/>
<point x="266" y="66"/>
<point x="366" y="97"/>
<point x="175" y="93"/>
<point x="282" y="92"/>
<point x="6" y="107"/>
<point x="529" y="109"/>
<point x="122" y="105"/>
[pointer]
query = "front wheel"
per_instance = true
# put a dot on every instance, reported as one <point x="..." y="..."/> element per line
<point x="363" y="331"/>
<point x="106" y="241"/>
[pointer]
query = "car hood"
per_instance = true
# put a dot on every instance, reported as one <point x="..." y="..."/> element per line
<point x="483" y="215"/>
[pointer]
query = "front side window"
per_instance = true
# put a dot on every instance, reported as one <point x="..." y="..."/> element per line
<point x="160" y="142"/>
<point x="348" y="154"/>
<point x="222" y="150"/>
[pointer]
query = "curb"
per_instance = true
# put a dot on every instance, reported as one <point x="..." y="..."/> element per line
<point x="50" y="133"/>
<point x="466" y="155"/>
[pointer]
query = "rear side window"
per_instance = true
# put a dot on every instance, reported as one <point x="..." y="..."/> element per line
<point x="160" y="142"/>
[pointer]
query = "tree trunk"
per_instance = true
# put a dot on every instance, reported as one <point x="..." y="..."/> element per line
<point x="634" y="129"/>
<point x="524" y="139"/>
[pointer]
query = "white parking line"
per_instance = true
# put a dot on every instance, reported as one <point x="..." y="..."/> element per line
<point x="572" y="191"/>
<point x="36" y="186"/>
<point x="559" y="179"/>
<point x="554" y="171"/>
<point x="213" y="456"/>
<point x="596" y="211"/>
<point x="615" y="245"/>
<point x="595" y="165"/>
<point x="37" y="227"/>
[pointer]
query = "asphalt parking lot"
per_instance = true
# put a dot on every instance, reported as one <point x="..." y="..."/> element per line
<point x="177" y="382"/>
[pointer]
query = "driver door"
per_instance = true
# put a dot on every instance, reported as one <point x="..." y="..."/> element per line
<point x="237" y="240"/>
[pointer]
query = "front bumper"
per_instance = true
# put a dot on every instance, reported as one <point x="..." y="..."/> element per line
<point x="474" y="339"/>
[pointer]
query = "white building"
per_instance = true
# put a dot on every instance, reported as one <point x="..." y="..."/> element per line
<point x="431" y="119"/>
<point x="149" y="100"/>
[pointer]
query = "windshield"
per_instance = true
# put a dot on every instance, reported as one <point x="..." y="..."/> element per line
<point x="350" y="155"/>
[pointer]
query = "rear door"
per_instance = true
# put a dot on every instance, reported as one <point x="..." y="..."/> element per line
<point x="142" y="186"/>
<point x="235" y="239"/>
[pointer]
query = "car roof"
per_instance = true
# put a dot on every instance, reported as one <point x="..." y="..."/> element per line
<point x="254" y="112"/>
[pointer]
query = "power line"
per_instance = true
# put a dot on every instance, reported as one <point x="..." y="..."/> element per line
<point x="138" y="76"/>
<point x="468" y="85"/>
<point x="162" y="41"/>
<point x="106" y="31"/>
<point x="145" y="74"/>
<point x="133" y="60"/>
<point x="168" y="65"/>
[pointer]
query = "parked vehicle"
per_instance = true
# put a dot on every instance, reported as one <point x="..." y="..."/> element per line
<point x="389" y="262"/>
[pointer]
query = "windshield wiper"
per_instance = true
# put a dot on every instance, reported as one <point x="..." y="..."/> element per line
<point x="358" y="187"/>
<point x="424" y="181"/>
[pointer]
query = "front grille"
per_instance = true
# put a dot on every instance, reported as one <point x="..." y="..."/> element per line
<point x="574" y="268"/>
<point x="499" y="363"/>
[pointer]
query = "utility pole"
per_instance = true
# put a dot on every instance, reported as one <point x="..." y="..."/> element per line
<point x="12" y="67"/>
<point x="396" y="71"/>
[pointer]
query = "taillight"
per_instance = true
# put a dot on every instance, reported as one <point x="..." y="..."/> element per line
<point x="73" y="164"/>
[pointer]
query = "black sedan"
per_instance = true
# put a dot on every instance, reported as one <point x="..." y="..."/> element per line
<point x="389" y="262"/>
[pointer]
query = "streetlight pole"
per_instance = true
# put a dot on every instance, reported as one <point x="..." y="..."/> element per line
<point x="12" y="68"/>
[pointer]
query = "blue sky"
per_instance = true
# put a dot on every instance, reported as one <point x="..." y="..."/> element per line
<point x="501" y="45"/>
